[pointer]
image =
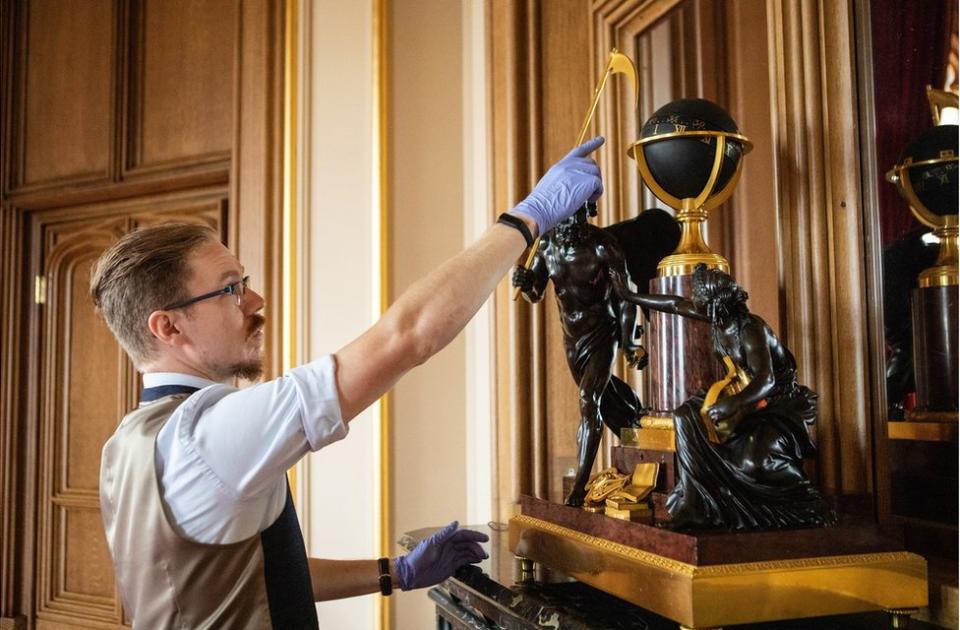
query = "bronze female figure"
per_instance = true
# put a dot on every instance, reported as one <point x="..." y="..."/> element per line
<point x="754" y="478"/>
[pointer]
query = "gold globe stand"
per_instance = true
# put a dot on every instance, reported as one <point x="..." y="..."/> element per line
<point x="692" y="212"/>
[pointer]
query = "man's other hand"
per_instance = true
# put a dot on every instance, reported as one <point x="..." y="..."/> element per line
<point x="438" y="557"/>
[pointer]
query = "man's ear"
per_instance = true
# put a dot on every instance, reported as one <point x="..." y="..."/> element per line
<point x="163" y="326"/>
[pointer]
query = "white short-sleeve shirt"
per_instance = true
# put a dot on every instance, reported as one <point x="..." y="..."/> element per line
<point x="223" y="455"/>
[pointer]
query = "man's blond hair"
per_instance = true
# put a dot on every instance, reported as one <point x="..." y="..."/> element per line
<point x="142" y="272"/>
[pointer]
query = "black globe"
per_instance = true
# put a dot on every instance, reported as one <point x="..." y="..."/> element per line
<point x="934" y="184"/>
<point x="682" y="166"/>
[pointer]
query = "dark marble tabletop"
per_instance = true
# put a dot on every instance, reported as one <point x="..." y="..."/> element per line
<point x="496" y="595"/>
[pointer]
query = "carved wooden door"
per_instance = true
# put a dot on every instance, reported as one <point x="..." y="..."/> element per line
<point x="113" y="114"/>
<point x="86" y="384"/>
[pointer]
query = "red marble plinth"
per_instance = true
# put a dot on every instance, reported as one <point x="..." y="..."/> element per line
<point x="710" y="547"/>
<point x="681" y="351"/>
<point x="935" y="316"/>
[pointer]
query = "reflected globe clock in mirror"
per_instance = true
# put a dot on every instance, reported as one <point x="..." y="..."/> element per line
<point x="926" y="176"/>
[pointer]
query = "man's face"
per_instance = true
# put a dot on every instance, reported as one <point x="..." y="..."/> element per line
<point x="222" y="339"/>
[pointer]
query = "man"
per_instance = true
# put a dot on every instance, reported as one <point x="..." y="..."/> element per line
<point x="193" y="487"/>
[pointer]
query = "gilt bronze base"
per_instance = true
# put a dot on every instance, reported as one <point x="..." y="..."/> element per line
<point x="716" y="579"/>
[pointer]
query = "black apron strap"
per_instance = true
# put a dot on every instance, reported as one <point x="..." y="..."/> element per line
<point x="150" y="394"/>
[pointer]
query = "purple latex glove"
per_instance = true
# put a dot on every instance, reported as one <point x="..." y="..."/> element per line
<point x="438" y="557"/>
<point x="564" y="189"/>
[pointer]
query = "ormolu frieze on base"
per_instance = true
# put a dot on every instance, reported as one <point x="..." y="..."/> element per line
<point x="715" y="579"/>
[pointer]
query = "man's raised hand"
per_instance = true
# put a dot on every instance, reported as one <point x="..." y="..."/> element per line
<point x="563" y="189"/>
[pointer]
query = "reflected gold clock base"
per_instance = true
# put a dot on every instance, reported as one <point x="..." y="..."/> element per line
<point x="723" y="578"/>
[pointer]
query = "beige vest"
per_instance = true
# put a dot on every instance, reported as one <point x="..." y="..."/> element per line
<point x="166" y="580"/>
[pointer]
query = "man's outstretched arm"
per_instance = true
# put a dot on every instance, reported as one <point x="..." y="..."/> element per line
<point x="336" y="579"/>
<point x="435" y="309"/>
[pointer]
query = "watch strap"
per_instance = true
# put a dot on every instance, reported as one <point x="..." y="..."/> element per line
<point x="518" y="224"/>
<point x="386" y="582"/>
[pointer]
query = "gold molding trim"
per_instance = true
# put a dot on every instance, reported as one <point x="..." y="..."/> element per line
<point x="288" y="331"/>
<point x="686" y="264"/>
<point x="805" y="563"/>
<point x="380" y="39"/>
<point x="939" y="277"/>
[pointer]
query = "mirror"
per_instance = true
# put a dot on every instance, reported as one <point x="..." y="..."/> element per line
<point x="913" y="45"/>
<point x="912" y="48"/>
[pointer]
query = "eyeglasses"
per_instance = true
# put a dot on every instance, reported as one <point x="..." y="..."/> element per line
<point x="234" y="288"/>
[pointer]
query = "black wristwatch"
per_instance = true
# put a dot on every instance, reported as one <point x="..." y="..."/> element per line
<point x="386" y="582"/>
<point x="518" y="224"/>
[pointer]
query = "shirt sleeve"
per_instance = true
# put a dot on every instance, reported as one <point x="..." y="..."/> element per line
<point x="247" y="439"/>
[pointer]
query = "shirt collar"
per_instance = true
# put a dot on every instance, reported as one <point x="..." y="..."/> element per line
<point x="155" y="379"/>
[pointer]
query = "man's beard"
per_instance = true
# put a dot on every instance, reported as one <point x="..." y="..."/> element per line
<point x="250" y="369"/>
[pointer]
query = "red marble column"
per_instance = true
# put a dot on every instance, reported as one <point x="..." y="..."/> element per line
<point x="682" y="360"/>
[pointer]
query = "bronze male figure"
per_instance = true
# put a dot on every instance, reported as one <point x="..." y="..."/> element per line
<point x="579" y="257"/>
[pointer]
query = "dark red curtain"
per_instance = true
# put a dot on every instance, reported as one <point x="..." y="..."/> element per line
<point x="911" y="44"/>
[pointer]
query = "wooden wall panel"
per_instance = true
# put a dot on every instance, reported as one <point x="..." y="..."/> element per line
<point x="817" y="167"/>
<point x="87" y="383"/>
<point x="126" y="112"/>
<point x="87" y="573"/>
<point x="62" y="509"/>
<point x="256" y="193"/>
<point x="68" y="254"/>
<point x="66" y="109"/>
<point x="92" y="367"/>
<point x="180" y="109"/>
<point x="752" y="210"/>
<point x="510" y="72"/>
<point x="567" y="83"/>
